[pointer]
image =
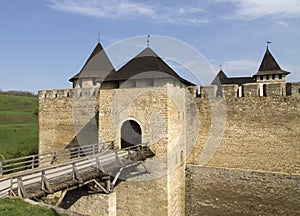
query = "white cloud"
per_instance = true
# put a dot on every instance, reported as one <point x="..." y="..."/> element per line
<point x="253" y="9"/>
<point x="112" y="9"/>
<point x="239" y="67"/>
<point x="128" y="9"/>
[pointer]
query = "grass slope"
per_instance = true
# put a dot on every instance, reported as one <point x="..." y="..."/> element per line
<point x="18" y="125"/>
<point x="16" y="207"/>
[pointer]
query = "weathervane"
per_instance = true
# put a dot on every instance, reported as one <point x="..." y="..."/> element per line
<point x="220" y="67"/>
<point x="98" y="37"/>
<point x="268" y="42"/>
<point x="148" y="40"/>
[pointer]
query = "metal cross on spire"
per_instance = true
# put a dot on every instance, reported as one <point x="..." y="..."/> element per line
<point x="148" y="40"/>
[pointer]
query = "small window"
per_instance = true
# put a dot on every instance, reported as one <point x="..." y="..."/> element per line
<point x="268" y="77"/>
<point x="299" y="90"/>
<point x="261" y="77"/>
<point x="273" y="76"/>
<point x="280" y="76"/>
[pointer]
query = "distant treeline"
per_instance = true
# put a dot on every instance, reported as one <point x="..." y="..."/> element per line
<point x="18" y="93"/>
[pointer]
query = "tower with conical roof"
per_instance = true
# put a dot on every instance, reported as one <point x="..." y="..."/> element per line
<point x="145" y="101"/>
<point x="145" y="69"/>
<point x="270" y="77"/>
<point x="94" y="71"/>
<point x="269" y="70"/>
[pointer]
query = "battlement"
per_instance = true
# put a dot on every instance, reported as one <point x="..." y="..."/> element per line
<point x="68" y="93"/>
<point x="251" y="90"/>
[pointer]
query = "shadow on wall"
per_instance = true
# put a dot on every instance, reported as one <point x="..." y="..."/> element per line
<point x="73" y="196"/>
<point x="87" y="135"/>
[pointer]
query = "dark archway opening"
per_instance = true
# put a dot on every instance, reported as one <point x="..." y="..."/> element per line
<point x="131" y="134"/>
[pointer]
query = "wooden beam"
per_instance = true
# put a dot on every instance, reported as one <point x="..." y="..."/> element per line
<point x="100" y="186"/>
<point x="61" y="197"/>
<point x="116" y="177"/>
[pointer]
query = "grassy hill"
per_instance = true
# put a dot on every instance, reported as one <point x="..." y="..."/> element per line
<point x="18" y="125"/>
<point x="16" y="207"/>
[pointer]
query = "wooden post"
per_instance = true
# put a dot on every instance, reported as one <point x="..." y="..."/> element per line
<point x="1" y="168"/>
<point x="54" y="159"/>
<point x="45" y="183"/>
<point x="21" y="189"/>
<point x="76" y="175"/>
<point x="32" y="162"/>
<point x="99" y="165"/>
<point x="11" y="188"/>
<point x="107" y="182"/>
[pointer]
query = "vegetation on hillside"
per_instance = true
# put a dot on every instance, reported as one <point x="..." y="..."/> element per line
<point x="18" y="124"/>
<point x="16" y="207"/>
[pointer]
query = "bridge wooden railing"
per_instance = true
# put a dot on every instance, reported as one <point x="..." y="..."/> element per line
<point x="77" y="171"/>
<point x="46" y="159"/>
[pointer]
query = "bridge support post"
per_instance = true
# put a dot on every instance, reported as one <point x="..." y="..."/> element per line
<point x="45" y="183"/>
<point x="1" y="168"/>
<point x="21" y="189"/>
<point x="76" y="175"/>
<point x="107" y="182"/>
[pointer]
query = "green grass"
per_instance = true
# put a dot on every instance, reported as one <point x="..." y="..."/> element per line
<point x="18" y="126"/>
<point x="16" y="207"/>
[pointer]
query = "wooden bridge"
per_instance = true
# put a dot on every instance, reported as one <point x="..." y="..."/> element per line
<point x="98" y="166"/>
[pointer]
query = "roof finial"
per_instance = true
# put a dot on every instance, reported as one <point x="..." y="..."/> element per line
<point x="268" y="42"/>
<point x="148" y="40"/>
<point x="98" y="37"/>
<point x="220" y="67"/>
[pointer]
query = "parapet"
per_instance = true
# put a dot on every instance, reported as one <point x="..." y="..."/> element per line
<point x="208" y="91"/>
<point x="293" y="89"/>
<point x="230" y="91"/>
<point x="251" y="90"/>
<point x="68" y="93"/>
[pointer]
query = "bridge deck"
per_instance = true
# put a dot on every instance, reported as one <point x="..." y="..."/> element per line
<point x="103" y="169"/>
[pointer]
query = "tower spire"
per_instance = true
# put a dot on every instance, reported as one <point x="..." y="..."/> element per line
<point x="148" y="40"/>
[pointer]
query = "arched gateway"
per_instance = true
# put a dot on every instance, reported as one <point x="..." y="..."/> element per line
<point x="131" y="134"/>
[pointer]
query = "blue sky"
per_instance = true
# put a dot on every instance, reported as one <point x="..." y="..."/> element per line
<point x="45" y="42"/>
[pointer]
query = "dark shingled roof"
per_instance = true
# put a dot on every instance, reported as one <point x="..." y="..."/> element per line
<point x="269" y="66"/>
<point x="237" y="80"/>
<point x="146" y="65"/>
<point x="220" y="75"/>
<point x="97" y="66"/>
<point x="224" y="80"/>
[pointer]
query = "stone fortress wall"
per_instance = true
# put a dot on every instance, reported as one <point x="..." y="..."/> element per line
<point x="57" y="125"/>
<point x="256" y="168"/>
<point x="232" y="149"/>
<point x="261" y="134"/>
